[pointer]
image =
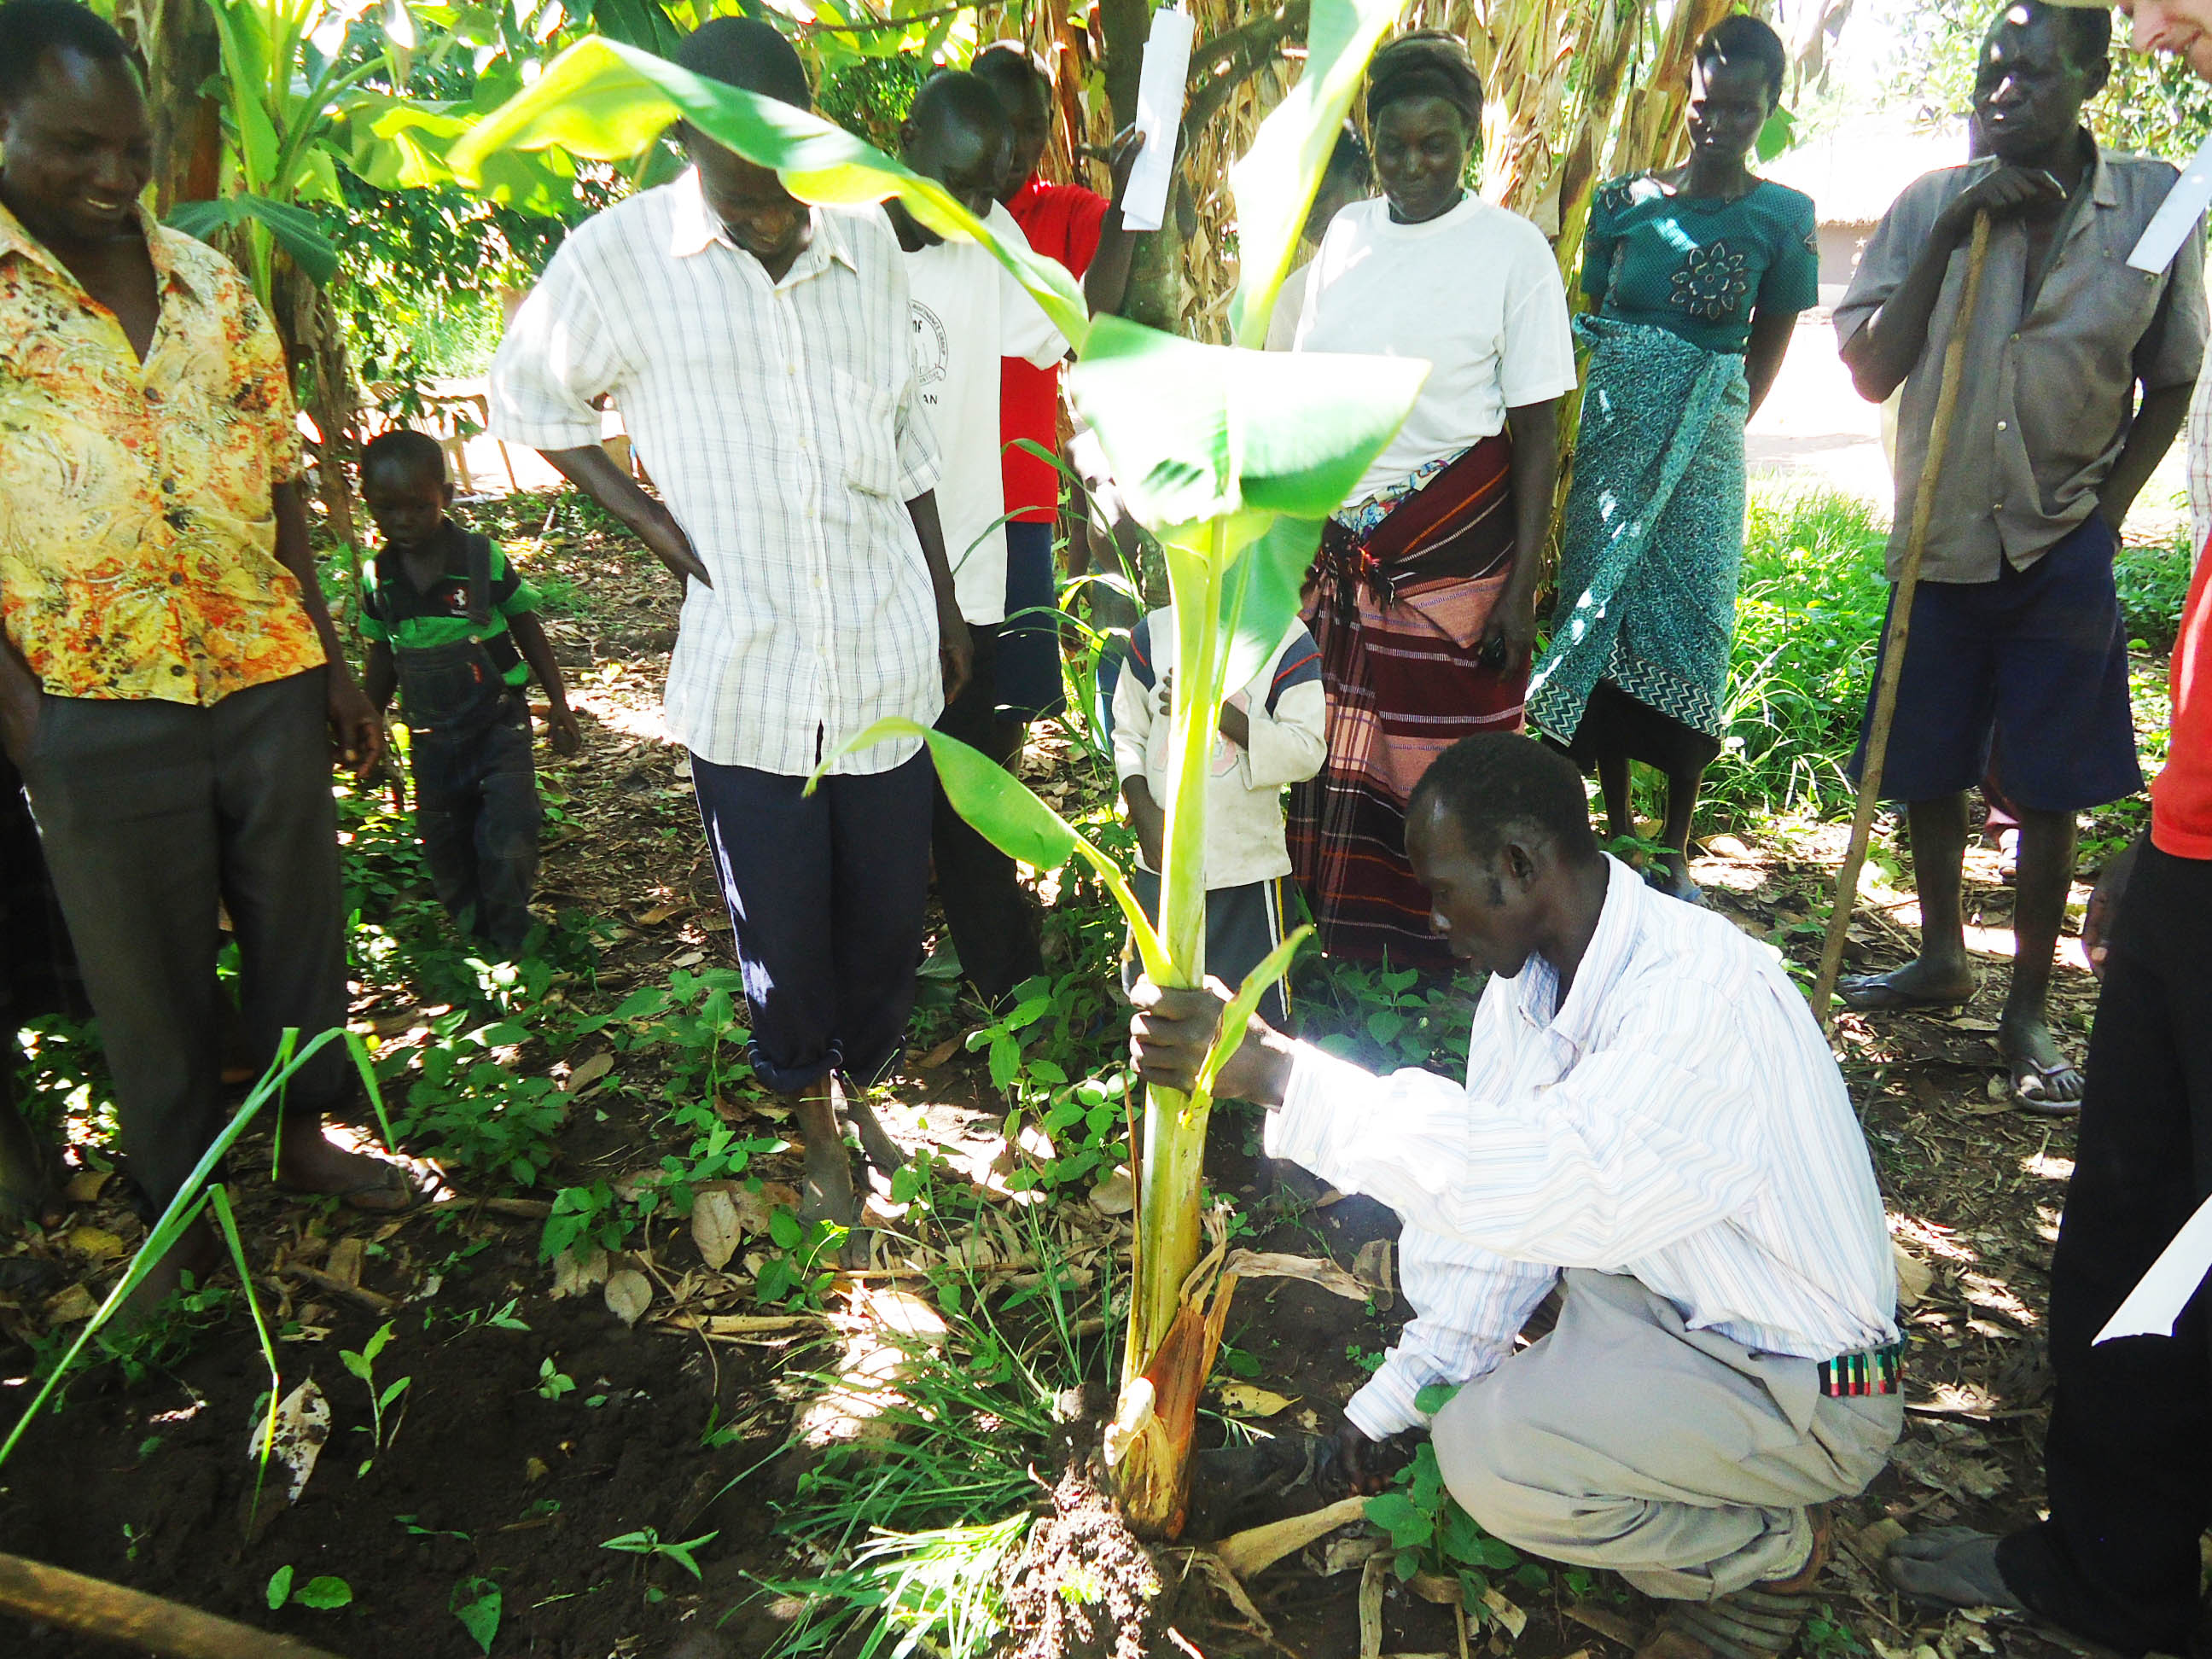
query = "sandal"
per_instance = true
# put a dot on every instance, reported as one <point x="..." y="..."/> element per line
<point x="2033" y="1088"/>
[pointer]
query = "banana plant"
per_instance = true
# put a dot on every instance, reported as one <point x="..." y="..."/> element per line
<point x="1233" y="458"/>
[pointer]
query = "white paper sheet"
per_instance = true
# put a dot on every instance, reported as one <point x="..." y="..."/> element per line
<point x="1159" y="113"/>
<point x="2177" y="215"/>
<point x="2160" y="1296"/>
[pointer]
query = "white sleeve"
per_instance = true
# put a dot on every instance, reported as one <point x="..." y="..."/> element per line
<point x="1290" y="745"/>
<point x="1634" y="1150"/>
<point x="1132" y="726"/>
<point x="1468" y="1305"/>
<point x="1025" y="330"/>
<point x="558" y="355"/>
<point x="1537" y="359"/>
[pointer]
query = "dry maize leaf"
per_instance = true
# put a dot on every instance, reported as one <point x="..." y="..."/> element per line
<point x="1373" y="1268"/>
<point x="574" y="1272"/>
<point x="1267" y="1264"/>
<point x="906" y="1315"/>
<point x="345" y="1260"/>
<point x="1913" y="1276"/>
<point x="1505" y="1612"/>
<point x="1257" y="1548"/>
<point x="1370" y="1608"/>
<point x="303" y="1424"/>
<point x="1115" y="1195"/>
<point x="660" y="913"/>
<point x="1436" y="1588"/>
<point x="589" y="1072"/>
<point x="1253" y="1401"/>
<point x="70" y="1306"/>
<point x="1343" y="1554"/>
<point x="86" y="1186"/>
<point x="628" y="1294"/>
<point x="94" y="1242"/>
<point x="714" y="1227"/>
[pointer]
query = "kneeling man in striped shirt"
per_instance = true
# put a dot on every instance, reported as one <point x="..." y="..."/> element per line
<point x="1652" y="1123"/>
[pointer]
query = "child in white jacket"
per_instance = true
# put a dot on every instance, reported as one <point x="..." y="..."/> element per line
<point x="1271" y="734"/>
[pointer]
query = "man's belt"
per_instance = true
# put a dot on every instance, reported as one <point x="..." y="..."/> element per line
<point x="1871" y="1370"/>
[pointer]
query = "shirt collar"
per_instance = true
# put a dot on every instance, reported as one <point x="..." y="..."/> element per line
<point x="693" y="229"/>
<point x="14" y="239"/>
<point x="1618" y="923"/>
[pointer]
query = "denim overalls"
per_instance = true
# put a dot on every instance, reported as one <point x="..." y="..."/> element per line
<point x="475" y="788"/>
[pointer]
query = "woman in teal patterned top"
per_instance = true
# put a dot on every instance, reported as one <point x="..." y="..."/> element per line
<point x="1696" y="276"/>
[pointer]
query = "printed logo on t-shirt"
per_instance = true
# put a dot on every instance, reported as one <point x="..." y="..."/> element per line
<point x="933" y="349"/>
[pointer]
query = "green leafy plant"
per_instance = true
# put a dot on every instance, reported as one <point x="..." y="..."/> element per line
<point x="807" y="1262"/>
<point x="476" y="1603"/>
<point x="1430" y="1534"/>
<point x="552" y="1383"/>
<point x="1231" y="458"/>
<point x="325" y="1594"/>
<point x="362" y="1364"/>
<point x="647" y="1541"/>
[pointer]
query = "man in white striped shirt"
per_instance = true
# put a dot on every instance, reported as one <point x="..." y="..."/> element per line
<point x="758" y="349"/>
<point x="1649" y="1114"/>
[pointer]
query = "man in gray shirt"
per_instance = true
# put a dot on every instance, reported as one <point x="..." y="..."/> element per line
<point x="2017" y="659"/>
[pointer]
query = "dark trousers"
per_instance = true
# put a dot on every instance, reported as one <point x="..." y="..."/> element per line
<point x="150" y="813"/>
<point x="478" y="811"/>
<point x="994" y="926"/>
<point x="2129" y="1454"/>
<point x="826" y="893"/>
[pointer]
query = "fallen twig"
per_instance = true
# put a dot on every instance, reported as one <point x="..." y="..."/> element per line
<point x="375" y="1301"/>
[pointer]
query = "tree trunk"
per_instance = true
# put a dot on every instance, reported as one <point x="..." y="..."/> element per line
<point x="183" y="53"/>
<point x="322" y="371"/>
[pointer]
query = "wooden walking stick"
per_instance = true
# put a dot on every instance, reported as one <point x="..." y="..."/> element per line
<point x="1900" y="625"/>
<point x="94" y="1608"/>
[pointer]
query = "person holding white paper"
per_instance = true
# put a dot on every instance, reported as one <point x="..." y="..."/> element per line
<point x="2129" y="1457"/>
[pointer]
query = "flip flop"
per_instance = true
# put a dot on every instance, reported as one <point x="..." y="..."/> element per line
<point x="1874" y="993"/>
<point x="2029" y="1083"/>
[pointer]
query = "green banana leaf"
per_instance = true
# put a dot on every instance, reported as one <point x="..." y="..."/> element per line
<point x="292" y="229"/>
<point x="1274" y="181"/>
<point x="1005" y="812"/>
<point x="1261" y="592"/>
<point x="1198" y="432"/>
<point x="609" y="102"/>
<point x="1237" y="1016"/>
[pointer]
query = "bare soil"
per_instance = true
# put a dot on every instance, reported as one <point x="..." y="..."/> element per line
<point x="486" y="1478"/>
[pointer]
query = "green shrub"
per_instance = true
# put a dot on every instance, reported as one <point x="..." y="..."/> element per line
<point x="2154" y="581"/>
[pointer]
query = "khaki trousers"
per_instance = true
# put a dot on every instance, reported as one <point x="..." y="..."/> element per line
<point x="1677" y="1458"/>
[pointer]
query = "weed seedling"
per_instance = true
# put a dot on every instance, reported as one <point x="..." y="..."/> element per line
<point x="551" y="1382"/>
<point x="363" y="1365"/>
<point x="647" y="1541"/>
<point x="476" y="1602"/>
<point x="325" y="1594"/>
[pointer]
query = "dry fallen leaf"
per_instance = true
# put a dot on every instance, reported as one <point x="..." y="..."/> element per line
<point x="714" y="1227"/>
<point x="303" y="1424"/>
<point x="628" y="1294"/>
<point x="660" y="913"/>
<point x="86" y="1186"/>
<point x="1370" y="1608"/>
<point x="1252" y="1401"/>
<point x="70" y="1305"/>
<point x="937" y="1057"/>
<point x="94" y="1242"/>
<point x="1267" y="1264"/>
<point x="1115" y="1195"/>
<point x="345" y="1260"/>
<point x="1371" y="1267"/>
<point x="534" y="1470"/>
<point x="589" y="1072"/>
<point x="1914" y="1276"/>
<point x="573" y="1273"/>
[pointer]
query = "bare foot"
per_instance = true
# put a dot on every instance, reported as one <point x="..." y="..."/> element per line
<point x="883" y="1151"/>
<point x="827" y="1194"/>
<point x="2043" y="1080"/>
<point x="1956" y="1566"/>
<point x="1919" y="984"/>
<point x="309" y="1162"/>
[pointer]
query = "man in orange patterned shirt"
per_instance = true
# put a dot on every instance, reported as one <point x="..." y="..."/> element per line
<point x="167" y="668"/>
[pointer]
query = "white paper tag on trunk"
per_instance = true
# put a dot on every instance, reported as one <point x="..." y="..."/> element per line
<point x="1159" y="113"/>
<point x="2176" y="216"/>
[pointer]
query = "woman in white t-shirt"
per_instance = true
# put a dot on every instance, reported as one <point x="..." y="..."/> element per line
<point x="1423" y="600"/>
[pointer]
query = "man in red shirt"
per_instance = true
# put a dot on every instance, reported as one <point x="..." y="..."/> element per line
<point x="1083" y="230"/>
<point x="2129" y="1458"/>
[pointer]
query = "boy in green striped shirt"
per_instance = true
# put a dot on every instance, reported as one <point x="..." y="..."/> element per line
<point x="455" y="632"/>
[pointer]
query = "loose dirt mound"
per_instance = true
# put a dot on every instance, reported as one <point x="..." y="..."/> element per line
<point x="1084" y="1588"/>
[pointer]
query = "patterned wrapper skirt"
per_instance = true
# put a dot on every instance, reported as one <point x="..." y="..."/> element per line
<point x="1398" y="608"/>
<point x="1650" y="553"/>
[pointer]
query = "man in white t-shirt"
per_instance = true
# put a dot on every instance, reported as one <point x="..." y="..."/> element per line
<point x="969" y="314"/>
